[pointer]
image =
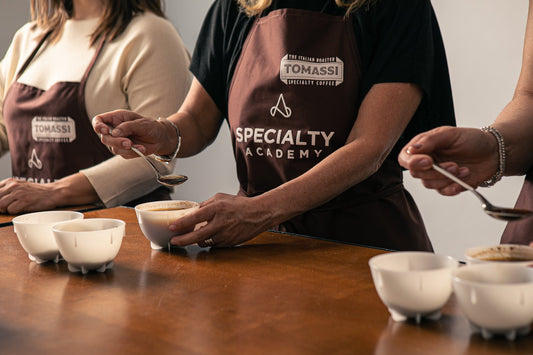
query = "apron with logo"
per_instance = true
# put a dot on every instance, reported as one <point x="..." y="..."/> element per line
<point x="521" y="232"/>
<point x="293" y="101"/>
<point x="50" y="133"/>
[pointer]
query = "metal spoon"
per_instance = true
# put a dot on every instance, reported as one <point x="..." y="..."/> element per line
<point x="503" y="213"/>
<point x="168" y="180"/>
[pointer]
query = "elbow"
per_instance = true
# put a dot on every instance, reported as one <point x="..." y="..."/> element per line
<point x="377" y="160"/>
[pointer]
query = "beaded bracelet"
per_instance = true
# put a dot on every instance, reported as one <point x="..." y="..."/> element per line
<point x="501" y="157"/>
<point x="168" y="158"/>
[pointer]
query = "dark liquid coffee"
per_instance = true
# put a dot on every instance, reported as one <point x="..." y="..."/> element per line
<point x="506" y="258"/>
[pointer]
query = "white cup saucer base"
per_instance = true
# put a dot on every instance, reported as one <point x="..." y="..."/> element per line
<point x="84" y="270"/>
<point x="401" y="317"/>
<point x="38" y="260"/>
<point x="155" y="246"/>
<point x="510" y="334"/>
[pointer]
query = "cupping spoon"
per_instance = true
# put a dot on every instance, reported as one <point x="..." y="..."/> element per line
<point x="503" y="213"/>
<point x="168" y="180"/>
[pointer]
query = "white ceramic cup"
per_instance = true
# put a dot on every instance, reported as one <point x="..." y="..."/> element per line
<point x="496" y="298"/>
<point x="155" y="217"/>
<point x="503" y="253"/>
<point x="34" y="232"/>
<point x="89" y="244"/>
<point x="413" y="284"/>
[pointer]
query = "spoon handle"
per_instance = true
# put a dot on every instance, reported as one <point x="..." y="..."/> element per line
<point x="453" y="178"/>
<point x="148" y="160"/>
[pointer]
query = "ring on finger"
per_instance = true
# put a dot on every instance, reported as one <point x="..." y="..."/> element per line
<point x="209" y="242"/>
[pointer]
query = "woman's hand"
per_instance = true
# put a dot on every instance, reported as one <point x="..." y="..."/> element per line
<point x="468" y="153"/>
<point x="121" y="129"/>
<point x="18" y="196"/>
<point x="228" y="220"/>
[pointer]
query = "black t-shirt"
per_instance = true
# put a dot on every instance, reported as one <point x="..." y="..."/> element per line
<point x="398" y="41"/>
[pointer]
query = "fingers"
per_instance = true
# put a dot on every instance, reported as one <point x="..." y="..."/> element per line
<point x="418" y="156"/>
<point x="115" y="129"/>
<point x="198" y="223"/>
<point x="113" y="119"/>
<point x="19" y="196"/>
<point x="432" y="141"/>
<point x="410" y="161"/>
<point x="6" y="197"/>
<point x="419" y="152"/>
<point x="199" y="236"/>
<point x="120" y="146"/>
<point x="432" y="179"/>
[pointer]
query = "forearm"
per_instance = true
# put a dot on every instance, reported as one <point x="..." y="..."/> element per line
<point x="338" y="172"/>
<point x="198" y="119"/>
<point x="194" y="138"/>
<point x="515" y="123"/>
<point x="73" y="190"/>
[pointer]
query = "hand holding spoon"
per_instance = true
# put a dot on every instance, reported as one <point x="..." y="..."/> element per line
<point x="503" y="213"/>
<point x="168" y="180"/>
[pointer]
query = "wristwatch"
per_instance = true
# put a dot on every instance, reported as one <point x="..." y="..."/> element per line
<point x="168" y="158"/>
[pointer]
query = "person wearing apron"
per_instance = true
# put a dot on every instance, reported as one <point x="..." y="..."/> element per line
<point x="521" y="232"/>
<point x="296" y="82"/>
<point x="482" y="158"/>
<point x="50" y="133"/>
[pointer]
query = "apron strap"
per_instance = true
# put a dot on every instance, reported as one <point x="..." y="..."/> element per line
<point x="33" y="54"/>
<point x="93" y="61"/>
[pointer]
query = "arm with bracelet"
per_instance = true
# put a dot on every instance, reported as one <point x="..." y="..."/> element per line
<point x="480" y="157"/>
<point x="183" y="134"/>
<point x="170" y="157"/>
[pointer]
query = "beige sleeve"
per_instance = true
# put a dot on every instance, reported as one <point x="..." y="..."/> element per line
<point x="154" y="79"/>
<point x="4" y="146"/>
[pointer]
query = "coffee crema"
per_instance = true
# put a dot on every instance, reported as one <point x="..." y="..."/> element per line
<point x="168" y="209"/>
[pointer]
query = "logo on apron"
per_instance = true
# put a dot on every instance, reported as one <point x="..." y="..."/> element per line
<point x="281" y="108"/>
<point x="35" y="161"/>
<point x="301" y="70"/>
<point x="53" y="129"/>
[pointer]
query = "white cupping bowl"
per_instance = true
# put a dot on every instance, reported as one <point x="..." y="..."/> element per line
<point x="413" y="284"/>
<point x="34" y="232"/>
<point x="496" y="298"/>
<point x="89" y="244"/>
<point x="155" y="217"/>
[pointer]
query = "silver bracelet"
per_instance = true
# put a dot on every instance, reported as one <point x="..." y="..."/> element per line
<point x="501" y="157"/>
<point x="168" y="158"/>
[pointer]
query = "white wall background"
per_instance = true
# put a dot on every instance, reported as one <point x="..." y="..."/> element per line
<point x="483" y="39"/>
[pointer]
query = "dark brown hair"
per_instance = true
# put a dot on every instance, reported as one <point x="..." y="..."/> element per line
<point x="254" y="7"/>
<point x="51" y="15"/>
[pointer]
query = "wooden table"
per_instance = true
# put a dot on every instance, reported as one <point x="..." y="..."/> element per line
<point x="278" y="294"/>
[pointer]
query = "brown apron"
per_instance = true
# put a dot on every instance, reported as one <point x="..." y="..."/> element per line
<point x="50" y="133"/>
<point x="521" y="232"/>
<point x="292" y="102"/>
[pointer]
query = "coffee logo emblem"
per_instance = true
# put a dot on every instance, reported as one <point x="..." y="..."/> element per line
<point x="35" y="161"/>
<point x="281" y="108"/>
<point x="301" y="70"/>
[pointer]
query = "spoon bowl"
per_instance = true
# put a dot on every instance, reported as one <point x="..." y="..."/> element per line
<point x="503" y="213"/>
<point x="167" y="180"/>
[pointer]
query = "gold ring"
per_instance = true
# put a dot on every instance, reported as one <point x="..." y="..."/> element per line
<point x="209" y="242"/>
